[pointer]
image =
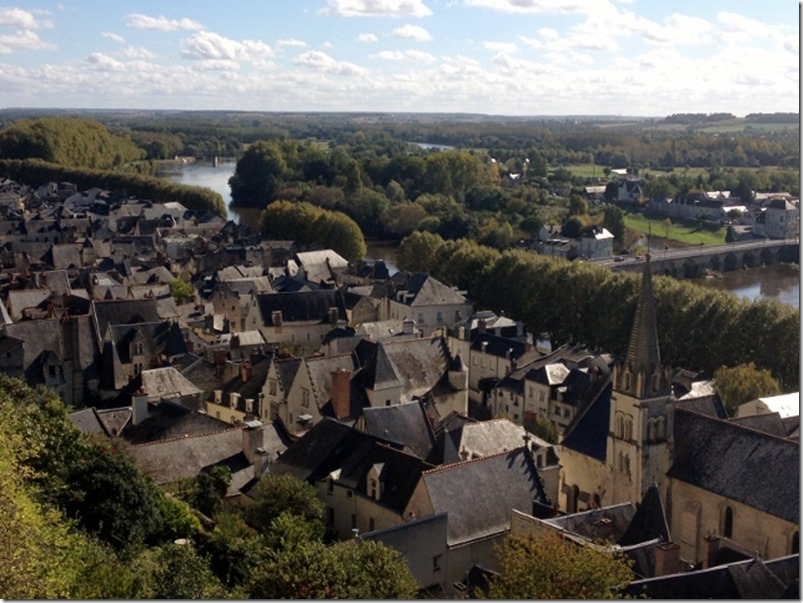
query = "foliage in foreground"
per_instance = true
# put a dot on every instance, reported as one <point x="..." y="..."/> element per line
<point x="550" y="567"/>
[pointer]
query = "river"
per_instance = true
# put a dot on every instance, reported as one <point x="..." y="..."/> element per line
<point x="781" y="281"/>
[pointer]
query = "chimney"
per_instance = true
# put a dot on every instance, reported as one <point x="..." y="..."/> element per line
<point x="246" y="371"/>
<point x="261" y="462"/>
<point x="408" y="325"/>
<point x="481" y="325"/>
<point x="341" y="393"/>
<point x="710" y="549"/>
<point x="333" y="315"/>
<point x="139" y="406"/>
<point x="667" y="559"/>
<point x="519" y="328"/>
<point x="253" y="440"/>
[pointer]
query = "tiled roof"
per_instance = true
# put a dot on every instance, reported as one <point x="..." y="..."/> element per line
<point x="479" y="495"/>
<point x="738" y="463"/>
<point x="406" y="424"/>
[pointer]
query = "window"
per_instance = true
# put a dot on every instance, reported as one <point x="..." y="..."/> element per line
<point x="387" y="402"/>
<point x="371" y="524"/>
<point x="541" y="396"/>
<point x="353" y="521"/>
<point x="530" y="394"/>
<point x="566" y="413"/>
<point x="440" y="317"/>
<point x="272" y="387"/>
<point x="349" y="493"/>
<point x="420" y="318"/>
<point x="51" y="370"/>
<point x="305" y="398"/>
<point x="436" y="563"/>
<point x="372" y="488"/>
<point x="330" y="486"/>
<point x="628" y="428"/>
<point x="794" y="548"/>
<point x="727" y="524"/>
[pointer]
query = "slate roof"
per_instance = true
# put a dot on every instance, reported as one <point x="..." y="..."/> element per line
<point x="324" y="448"/>
<point x="750" y="579"/>
<point x="165" y="383"/>
<point x="428" y="291"/>
<point x="125" y="312"/>
<point x="770" y="423"/>
<point x="303" y="306"/>
<point x="400" y="472"/>
<point x="649" y="521"/>
<point x="479" y="495"/>
<point x="320" y="372"/>
<point x="405" y="424"/>
<point x="377" y="371"/>
<point x="419" y="363"/>
<point x="168" y="420"/>
<point x="182" y="457"/>
<point x="738" y="463"/>
<point x="588" y="431"/>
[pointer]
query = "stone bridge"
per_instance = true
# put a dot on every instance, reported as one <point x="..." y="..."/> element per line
<point x="692" y="262"/>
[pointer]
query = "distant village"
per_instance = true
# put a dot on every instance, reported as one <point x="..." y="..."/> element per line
<point x="413" y="413"/>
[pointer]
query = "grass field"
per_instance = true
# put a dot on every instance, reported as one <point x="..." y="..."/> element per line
<point x="682" y="231"/>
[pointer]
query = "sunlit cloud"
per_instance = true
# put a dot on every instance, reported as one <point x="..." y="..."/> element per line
<point x="113" y="37"/>
<point x="377" y="8"/>
<point x="367" y="38"/>
<point x="321" y="61"/>
<point x="412" y="32"/>
<point x="161" y="23"/>
<point x="23" y="40"/>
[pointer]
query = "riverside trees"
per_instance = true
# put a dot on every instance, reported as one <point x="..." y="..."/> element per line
<point x="577" y="302"/>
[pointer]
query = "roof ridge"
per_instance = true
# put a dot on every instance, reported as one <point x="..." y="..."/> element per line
<point x="450" y="466"/>
<point x="184" y="437"/>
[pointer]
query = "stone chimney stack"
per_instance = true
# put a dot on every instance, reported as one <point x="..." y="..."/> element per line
<point x="408" y="326"/>
<point x="139" y="406"/>
<point x="667" y="559"/>
<point x="341" y="393"/>
<point x="246" y="371"/>
<point x="253" y="440"/>
<point x="710" y="549"/>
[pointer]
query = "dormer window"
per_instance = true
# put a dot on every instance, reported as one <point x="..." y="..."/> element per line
<point x="372" y="487"/>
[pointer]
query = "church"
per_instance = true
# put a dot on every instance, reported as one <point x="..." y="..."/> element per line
<point x="621" y="443"/>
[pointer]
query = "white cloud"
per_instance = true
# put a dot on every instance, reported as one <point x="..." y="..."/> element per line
<point x="113" y="37"/>
<point x="16" y="17"/>
<point x="292" y="42"/>
<point x="408" y="55"/>
<point x="321" y="61"/>
<point x="377" y="8"/>
<point x="23" y="40"/>
<point x="134" y="52"/>
<point x="508" y="47"/>
<point x="219" y="65"/>
<point x="162" y="23"/>
<point x="209" y="46"/>
<point x="534" y="6"/>
<point x="548" y="33"/>
<point x="104" y="62"/>
<point x="734" y="23"/>
<point x="368" y="38"/>
<point x="412" y="32"/>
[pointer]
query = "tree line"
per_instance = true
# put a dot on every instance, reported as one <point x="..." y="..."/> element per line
<point x="698" y="328"/>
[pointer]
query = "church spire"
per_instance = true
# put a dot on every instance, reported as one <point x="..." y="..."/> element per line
<point x="643" y="375"/>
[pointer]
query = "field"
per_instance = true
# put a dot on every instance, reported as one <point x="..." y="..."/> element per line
<point x="687" y="232"/>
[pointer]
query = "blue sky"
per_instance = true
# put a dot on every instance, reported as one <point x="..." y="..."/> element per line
<point x="505" y="57"/>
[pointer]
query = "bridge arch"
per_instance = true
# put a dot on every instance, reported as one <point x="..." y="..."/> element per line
<point x="669" y="269"/>
<point x="749" y="260"/>
<point x="731" y="262"/>
<point x="690" y="269"/>
<point x="769" y="256"/>
<point x="715" y="263"/>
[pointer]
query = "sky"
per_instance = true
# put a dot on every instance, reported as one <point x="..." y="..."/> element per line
<point x="496" y="57"/>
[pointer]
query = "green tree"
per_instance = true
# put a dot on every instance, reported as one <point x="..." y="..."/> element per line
<point x="743" y="383"/>
<point x="346" y="570"/>
<point x="67" y="141"/>
<point x="614" y="221"/>
<point x="259" y="173"/>
<point x="419" y="252"/>
<point x="181" y="291"/>
<point x="578" y="206"/>
<point x="550" y="567"/>
<point x="177" y="571"/>
<point x="546" y="430"/>
<point x="275" y="494"/>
